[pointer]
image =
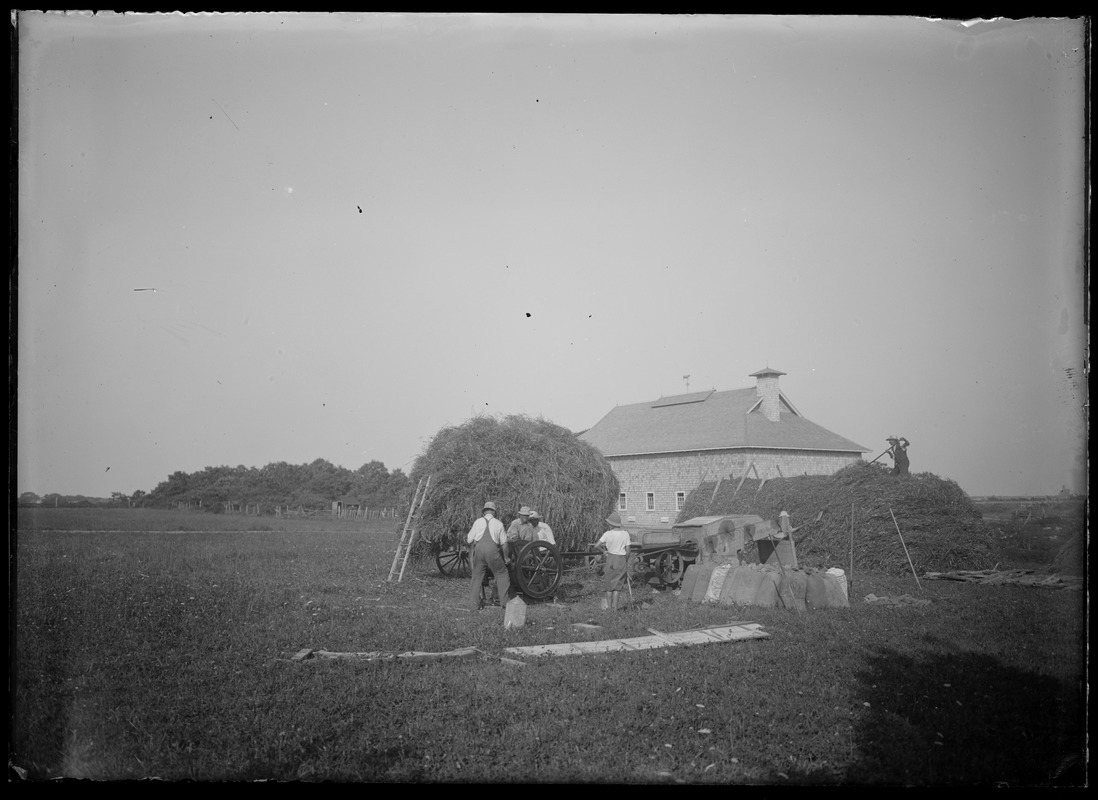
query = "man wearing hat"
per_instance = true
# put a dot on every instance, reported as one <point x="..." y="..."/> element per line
<point x="541" y="531"/>
<point x="786" y="531"/>
<point x="517" y="523"/>
<point x="488" y="539"/>
<point x="616" y="543"/>
<point x="785" y="527"/>
<point x="520" y="530"/>
<point x="898" y="451"/>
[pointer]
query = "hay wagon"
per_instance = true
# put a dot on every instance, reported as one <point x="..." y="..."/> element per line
<point x="538" y="567"/>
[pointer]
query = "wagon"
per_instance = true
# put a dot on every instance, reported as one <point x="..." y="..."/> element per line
<point x="453" y="561"/>
<point x="665" y="553"/>
<point x="537" y="569"/>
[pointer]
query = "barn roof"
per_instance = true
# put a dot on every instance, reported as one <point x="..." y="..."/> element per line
<point x="709" y="421"/>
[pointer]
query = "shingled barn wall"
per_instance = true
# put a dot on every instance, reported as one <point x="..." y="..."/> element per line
<point x="664" y="475"/>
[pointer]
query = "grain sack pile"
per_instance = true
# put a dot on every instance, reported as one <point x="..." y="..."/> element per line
<point x="942" y="528"/>
<point x="513" y="461"/>
<point x="759" y="585"/>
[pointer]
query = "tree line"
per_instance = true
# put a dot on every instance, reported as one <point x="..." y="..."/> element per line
<point x="311" y="486"/>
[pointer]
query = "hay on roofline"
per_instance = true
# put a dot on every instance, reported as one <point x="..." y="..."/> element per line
<point x="941" y="526"/>
<point x="513" y="461"/>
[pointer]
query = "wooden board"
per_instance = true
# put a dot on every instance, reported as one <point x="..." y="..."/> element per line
<point x="411" y="655"/>
<point x="718" y="634"/>
<point x="1021" y="577"/>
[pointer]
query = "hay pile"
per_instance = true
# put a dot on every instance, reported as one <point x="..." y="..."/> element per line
<point x="514" y="460"/>
<point x="941" y="526"/>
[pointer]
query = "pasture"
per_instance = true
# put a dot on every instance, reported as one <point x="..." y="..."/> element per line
<point x="158" y="645"/>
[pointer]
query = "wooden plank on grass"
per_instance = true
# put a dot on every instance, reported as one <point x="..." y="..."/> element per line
<point x="726" y="633"/>
<point x="663" y="636"/>
<point x="503" y="659"/>
<point x="374" y="655"/>
<point x="411" y="655"/>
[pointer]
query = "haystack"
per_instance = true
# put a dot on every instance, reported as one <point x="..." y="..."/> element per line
<point x="941" y="526"/>
<point x="512" y="461"/>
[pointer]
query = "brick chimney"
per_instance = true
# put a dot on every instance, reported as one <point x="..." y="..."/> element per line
<point x="766" y="387"/>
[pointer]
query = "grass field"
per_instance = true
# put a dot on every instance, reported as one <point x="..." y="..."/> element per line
<point x="1031" y="534"/>
<point x="159" y="645"/>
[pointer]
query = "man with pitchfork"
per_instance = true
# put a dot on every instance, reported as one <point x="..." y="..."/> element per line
<point x="898" y="451"/>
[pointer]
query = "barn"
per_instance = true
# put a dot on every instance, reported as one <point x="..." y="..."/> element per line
<point x="662" y="449"/>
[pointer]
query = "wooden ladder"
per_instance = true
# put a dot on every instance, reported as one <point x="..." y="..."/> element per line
<point x="408" y="535"/>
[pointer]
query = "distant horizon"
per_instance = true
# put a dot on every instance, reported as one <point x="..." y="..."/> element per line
<point x="1073" y="493"/>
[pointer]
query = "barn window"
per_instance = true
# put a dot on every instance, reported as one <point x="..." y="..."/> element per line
<point x="650" y="501"/>
<point x="621" y="501"/>
<point x="680" y="500"/>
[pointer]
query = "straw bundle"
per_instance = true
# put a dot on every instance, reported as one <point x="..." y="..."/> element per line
<point x="941" y="526"/>
<point x="514" y="460"/>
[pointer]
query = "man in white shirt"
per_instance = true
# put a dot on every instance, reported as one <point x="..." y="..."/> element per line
<point x="542" y="532"/>
<point x="616" y="543"/>
<point x="488" y="539"/>
<point x="514" y="530"/>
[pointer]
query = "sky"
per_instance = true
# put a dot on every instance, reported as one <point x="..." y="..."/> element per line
<point x="253" y="238"/>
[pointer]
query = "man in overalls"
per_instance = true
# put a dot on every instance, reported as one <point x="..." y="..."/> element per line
<point x="489" y="540"/>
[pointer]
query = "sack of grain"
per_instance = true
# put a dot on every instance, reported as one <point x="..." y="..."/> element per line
<point x="705" y="571"/>
<point x="515" y="615"/>
<point x="840" y="576"/>
<point x="767" y="593"/>
<point x="689" y="580"/>
<point x="716" y="582"/>
<point x="793" y="588"/>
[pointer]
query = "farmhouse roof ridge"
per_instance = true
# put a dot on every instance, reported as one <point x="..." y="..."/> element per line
<point x="724" y="420"/>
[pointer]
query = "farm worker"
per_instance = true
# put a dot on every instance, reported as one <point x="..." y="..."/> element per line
<point x="514" y="539"/>
<point x="515" y="528"/>
<point x="616" y="543"/>
<point x="785" y="531"/>
<point x="898" y="451"/>
<point x="489" y="540"/>
<point x="785" y="527"/>
<point x="542" y="532"/>
<point x="520" y="530"/>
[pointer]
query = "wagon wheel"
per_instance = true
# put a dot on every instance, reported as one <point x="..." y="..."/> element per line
<point x="670" y="567"/>
<point x="538" y="569"/>
<point x="453" y="563"/>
